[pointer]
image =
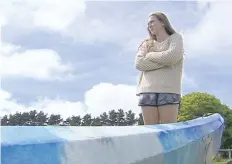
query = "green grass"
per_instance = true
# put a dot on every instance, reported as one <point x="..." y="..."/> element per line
<point x="221" y="161"/>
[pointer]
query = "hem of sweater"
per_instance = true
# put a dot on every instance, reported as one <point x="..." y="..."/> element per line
<point x="159" y="90"/>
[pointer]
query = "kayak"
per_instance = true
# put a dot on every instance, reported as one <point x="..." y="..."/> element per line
<point x="192" y="142"/>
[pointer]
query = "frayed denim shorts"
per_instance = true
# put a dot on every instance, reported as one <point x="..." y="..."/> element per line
<point x="158" y="99"/>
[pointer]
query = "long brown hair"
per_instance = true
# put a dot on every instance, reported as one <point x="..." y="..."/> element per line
<point x="167" y="25"/>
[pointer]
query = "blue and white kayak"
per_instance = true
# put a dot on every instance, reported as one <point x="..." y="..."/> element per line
<point x="193" y="142"/>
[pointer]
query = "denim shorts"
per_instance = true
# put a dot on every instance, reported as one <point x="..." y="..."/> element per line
<point x="158" y="99"/>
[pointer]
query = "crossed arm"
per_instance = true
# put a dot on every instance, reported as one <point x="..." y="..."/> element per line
<point x="147" y="61"/>
<point x="144" y="64"/>
<point x="172" y="55"/>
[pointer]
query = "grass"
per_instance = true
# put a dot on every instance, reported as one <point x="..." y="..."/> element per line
<point x="221" y="161"/>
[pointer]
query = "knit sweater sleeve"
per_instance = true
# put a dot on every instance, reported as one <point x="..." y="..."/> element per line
<point x="172" y="55"/>
<point x="144" y="64"/>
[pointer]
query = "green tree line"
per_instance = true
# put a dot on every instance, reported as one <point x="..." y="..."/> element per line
<point x="193" y="105"/>
<point x="34" y="118"/>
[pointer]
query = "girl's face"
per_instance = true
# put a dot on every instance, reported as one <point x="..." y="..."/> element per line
<point x="154" y="25"/>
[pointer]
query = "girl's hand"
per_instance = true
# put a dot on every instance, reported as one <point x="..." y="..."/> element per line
<point x="150" y="46"/>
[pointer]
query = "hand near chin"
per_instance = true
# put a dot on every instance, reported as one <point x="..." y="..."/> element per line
<point x="150" y="46"/>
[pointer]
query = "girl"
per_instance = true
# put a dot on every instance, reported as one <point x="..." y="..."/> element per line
<point x="160" y="60"/>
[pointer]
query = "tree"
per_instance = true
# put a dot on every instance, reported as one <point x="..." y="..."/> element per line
<point x="15" y="119"/>
<point x="104" y="119"/>
<point x="140" y="119"/>
<point x="227" y="136"/>
<point x="113" y="118"/>
<point x="121" y="118"/>
<point x="197" y="104"/>
<point x="32" y="117"/>
<point x="41" y="119"/>
<point x="96" y="122"/>
<point x="4" y="120"/>
<point x="55" y="119"/>
<point x="73" y="121"/>
<point x="25" y="119"/>
<point x="87" y="120"/>
<point x="130" y="118"/>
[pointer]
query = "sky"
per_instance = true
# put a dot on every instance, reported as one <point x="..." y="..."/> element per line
<point x="77" y="57"/>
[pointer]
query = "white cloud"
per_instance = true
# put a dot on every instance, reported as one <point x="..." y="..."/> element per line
<point x="90" y="30"/>
<point x="106" y="96"/>
<point x="212" y="35"/>
<point x="8" y="105"/>
<point x="202" y="5"/>
<point x="101" y="98"/>
<point x="66" y="17"/>
<point x="69" y="18"/>
<point x="63" y="107"/>
<point x="4" y="95"/>
<point x="41" y="64"/>
<point x="52" y="14"/>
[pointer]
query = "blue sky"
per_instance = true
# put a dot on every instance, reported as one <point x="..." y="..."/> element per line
<point x="73" y="58"/>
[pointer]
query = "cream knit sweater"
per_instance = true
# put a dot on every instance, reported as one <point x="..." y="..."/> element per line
<point x="161" y="65"/>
